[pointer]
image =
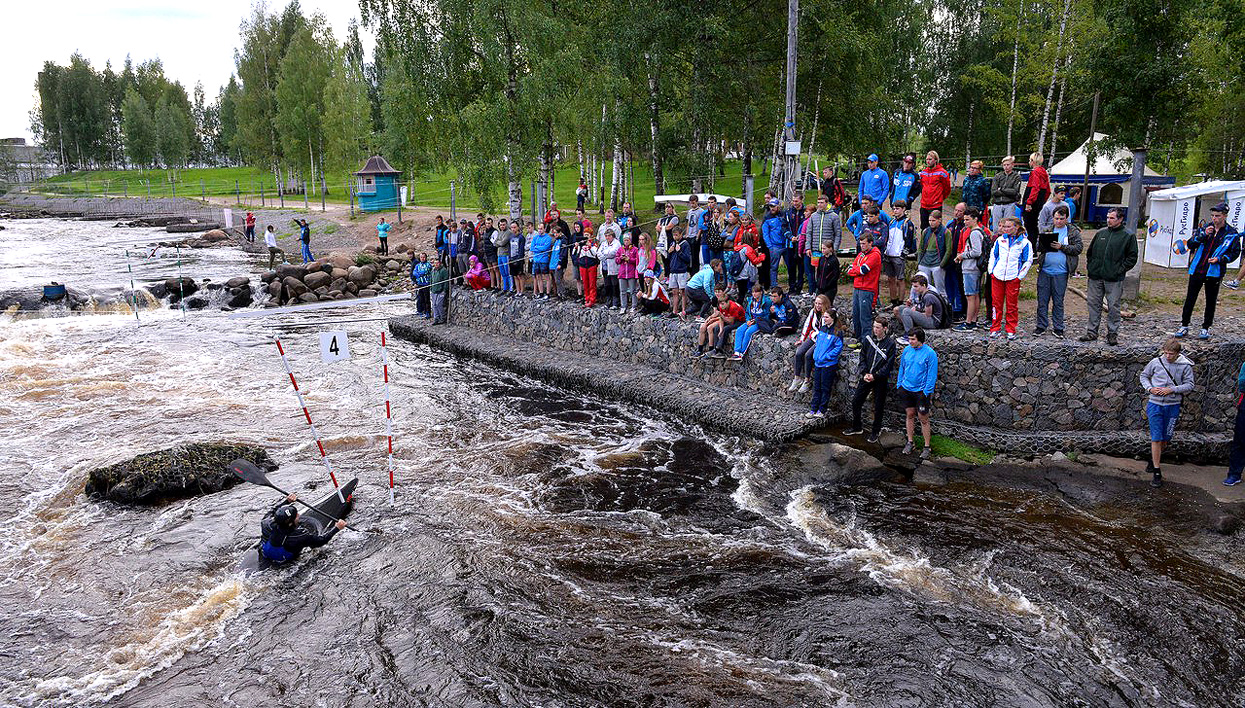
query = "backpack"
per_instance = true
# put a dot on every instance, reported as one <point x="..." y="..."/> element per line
<point x="944" y="320"/>
<point x="734" y="264"/>
<point x="713" y="236"/>
<point x="987" y="245"/>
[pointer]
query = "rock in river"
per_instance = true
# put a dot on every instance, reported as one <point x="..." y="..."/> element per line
<point x="175" y="473"/>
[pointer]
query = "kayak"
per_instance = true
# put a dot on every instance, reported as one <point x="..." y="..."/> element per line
<point x="330" y="507"/>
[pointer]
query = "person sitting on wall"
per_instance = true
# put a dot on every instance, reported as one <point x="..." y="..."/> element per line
<point x="653" y="298"/>
<point x="802" y="361"/>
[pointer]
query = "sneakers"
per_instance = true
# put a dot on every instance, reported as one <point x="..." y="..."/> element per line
<point x="804" y="387"/>
<point x="907" y="449"/>
<point x="854" y="431"/>
<point x="737" y="357"/>
<point x="1087" y="337"/>
<point x="963" y="327"/>
<point x="1038" y="332"/>
<point x="819" y="415"/>
<point x="1233" y="284"/>
<point x="874" y="439"/>
<point x="696" y="354"/>
<point x="1113" y="339"/>
<point x="810" y="414"/>
<point x="994" y="334"/>
<point x="795" y="383"/>
<point x="1231" y="481"/>
<point x="925" y="453"/>
<point x="1058" y="334"/>
<point x="1157" y="480"/>
<point x="1204" y="334"/>
<point x="1182" y="332"/>
<point x="1011" y="336"/>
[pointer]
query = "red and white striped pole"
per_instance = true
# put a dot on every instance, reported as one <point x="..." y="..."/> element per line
<point x="384" y="360"/>
<point x="324" y="457"/>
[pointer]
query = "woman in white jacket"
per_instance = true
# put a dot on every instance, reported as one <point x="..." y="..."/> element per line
<point x="803" y="359"/>
<point x="1010" y="258"/>
<point x="609" y="268"/>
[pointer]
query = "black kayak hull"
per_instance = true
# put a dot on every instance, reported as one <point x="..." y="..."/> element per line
<point x="329" y="507"/>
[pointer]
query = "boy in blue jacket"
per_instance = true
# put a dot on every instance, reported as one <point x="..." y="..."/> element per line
<point x="826" y="349"/>
<point x="918" y="373"/>
<point x="784" y="316"/>
<point x="774" y="233"/>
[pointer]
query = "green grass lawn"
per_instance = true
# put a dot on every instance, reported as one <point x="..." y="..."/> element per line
<point x="429" y="191"/>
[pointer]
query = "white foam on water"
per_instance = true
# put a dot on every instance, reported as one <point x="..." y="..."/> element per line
<point x="124" y="666"/>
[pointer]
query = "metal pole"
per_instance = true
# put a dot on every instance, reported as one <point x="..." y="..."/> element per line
<point x="1093" y="126"/>
<point x="534" y="217"/>
<point x="350" y="193"/>
<point x="133" y="290"/>
<point x="749" y="185"/>
<point x="305" y="206"/>
<point x="789" y="161"/>
<point x="323" y="189"/>
<point x="237" y="192"/>
<point x="1136" y="195"/>
<point x="202" y="190"/>
<point x="181" y="283"/>
<point x="397" y="193"/>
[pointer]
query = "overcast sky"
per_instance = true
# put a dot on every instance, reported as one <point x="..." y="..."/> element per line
<point x="195" y="41"/>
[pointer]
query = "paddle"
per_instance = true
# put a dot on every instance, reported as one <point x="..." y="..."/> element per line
<point x="250" y="473"/>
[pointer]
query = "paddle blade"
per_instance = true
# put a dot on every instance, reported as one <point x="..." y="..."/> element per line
<point x="249" y="472"/>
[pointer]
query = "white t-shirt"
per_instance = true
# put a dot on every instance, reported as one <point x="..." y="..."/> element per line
<point x="270" y="238"/>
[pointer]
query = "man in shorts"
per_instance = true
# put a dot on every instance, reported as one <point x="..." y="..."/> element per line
<point x="968" y="254"/>
<point x="918" y="373"/>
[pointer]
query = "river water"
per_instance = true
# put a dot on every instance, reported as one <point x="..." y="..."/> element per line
<point x="547" y="548"/>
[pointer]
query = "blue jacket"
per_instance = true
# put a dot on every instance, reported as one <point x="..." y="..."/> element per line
<point x="875" y="183"/>
<point x="421" y="273"/>
<point x="758" y="310"/>
<point x="681" y="259"/>
<point x="1240" y="388"/>
<point x="918" y="369"/>
<point x="903" y="182"/>
<point x="786" y="314"/>
<point x="856" y="221"/>
<point x="703" y="280"/>
<point x="774" y="231"/>
<point x="826" y="349"/>
<point x="541" y="245"/>
<point x="1226" y="250"/>
<point x="977" y="192"/>
<point x="555" y="254"/>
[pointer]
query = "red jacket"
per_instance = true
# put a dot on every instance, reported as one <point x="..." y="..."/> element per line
<point x="866" y="270"/>
<point x="935" y="186"/>
<point x="750" y="253"/>
<point x="1038" y="187"/>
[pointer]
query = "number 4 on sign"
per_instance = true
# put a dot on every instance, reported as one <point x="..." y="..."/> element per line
<point x="334" y="346"/>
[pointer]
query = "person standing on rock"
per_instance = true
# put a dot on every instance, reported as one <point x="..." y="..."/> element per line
<point x="440" y="289"/>
<point x="877" y="357"/>
<point x="918" y="374"/>
<point x="250" y="227"/>
<point x="1167" y="378"/>
<point x="270" y="239"/>
<point x="382" y="233"/>
<point x="1236" y="453"/>
<point x="305" y="237"/>
<point x="1211" y="249"/>
<point x="1110" y="256"/>
<point x="421" y="275"/>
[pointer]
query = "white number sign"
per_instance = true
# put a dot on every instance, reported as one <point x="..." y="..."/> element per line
<point x="334" y="346"/>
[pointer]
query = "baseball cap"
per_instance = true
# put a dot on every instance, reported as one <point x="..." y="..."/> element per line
<point x="873" y="157"/>
<point x="1221" y="207"/>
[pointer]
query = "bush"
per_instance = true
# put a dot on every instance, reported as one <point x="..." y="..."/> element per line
<point x="363" y="259"/>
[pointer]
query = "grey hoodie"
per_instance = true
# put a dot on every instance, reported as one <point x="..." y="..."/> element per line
<point x="1160" y="373"/>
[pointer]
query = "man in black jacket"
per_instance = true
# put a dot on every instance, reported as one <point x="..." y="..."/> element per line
<point x="284" y="536"/>
<point x="877" y="356"/>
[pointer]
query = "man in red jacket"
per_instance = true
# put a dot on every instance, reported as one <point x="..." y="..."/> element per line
<point x="865" y="271"/>
<point x="1037" y="191"/>
<point x="935" y="186"/>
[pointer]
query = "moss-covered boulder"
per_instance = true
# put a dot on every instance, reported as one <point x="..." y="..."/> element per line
<point x="176" y="473"/>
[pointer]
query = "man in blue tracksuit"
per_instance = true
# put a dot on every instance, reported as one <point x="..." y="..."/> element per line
<point x="874" y="182"/>
<point x="906" y="184"/>
<point x="774" y="233"/>
<point x="918" y="373"/>
<point x="1211" y="249"/>
<point x="794" y="218"/>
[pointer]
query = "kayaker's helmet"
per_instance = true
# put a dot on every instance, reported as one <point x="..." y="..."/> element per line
<point x="287" y="515"/>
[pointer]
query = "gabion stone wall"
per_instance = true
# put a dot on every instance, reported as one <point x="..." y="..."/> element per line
<point x="1031" y="396"/>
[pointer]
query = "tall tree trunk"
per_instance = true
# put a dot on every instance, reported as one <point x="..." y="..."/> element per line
<point x="616" y="177"/>
<point x="968" y="141"/>
<point x="543" y="186"/>
<point x="579" y="152"/>
<point x="1011" y="111"/>
<point x="813" y="140"/>
<point x="1054" y="73"/>
<point x="654" y="126"/>
<point x="514" y="188"/>
<point x="1063" y="86"/>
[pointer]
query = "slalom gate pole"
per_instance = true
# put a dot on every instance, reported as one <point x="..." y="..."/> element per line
<point x="384" y="361"/>
<point x="181" y="284"/>
<point x="133" y="292"/>
<point x="324" y="456"/>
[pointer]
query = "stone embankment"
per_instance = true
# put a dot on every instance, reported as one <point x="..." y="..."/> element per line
<point x="1028" y="397"/>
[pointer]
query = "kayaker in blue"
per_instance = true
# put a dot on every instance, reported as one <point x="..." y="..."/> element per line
<point x="918" y="374"/>
<point x="874" y="182"/>
<point x="284" y="536"/>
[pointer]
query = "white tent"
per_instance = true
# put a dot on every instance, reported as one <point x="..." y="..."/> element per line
<point x="1104" y="164"/>
<point x="1175" y="213"/>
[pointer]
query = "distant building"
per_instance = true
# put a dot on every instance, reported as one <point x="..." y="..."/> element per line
<point x="376" y="185"/>
<point x="23" y="163"/>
